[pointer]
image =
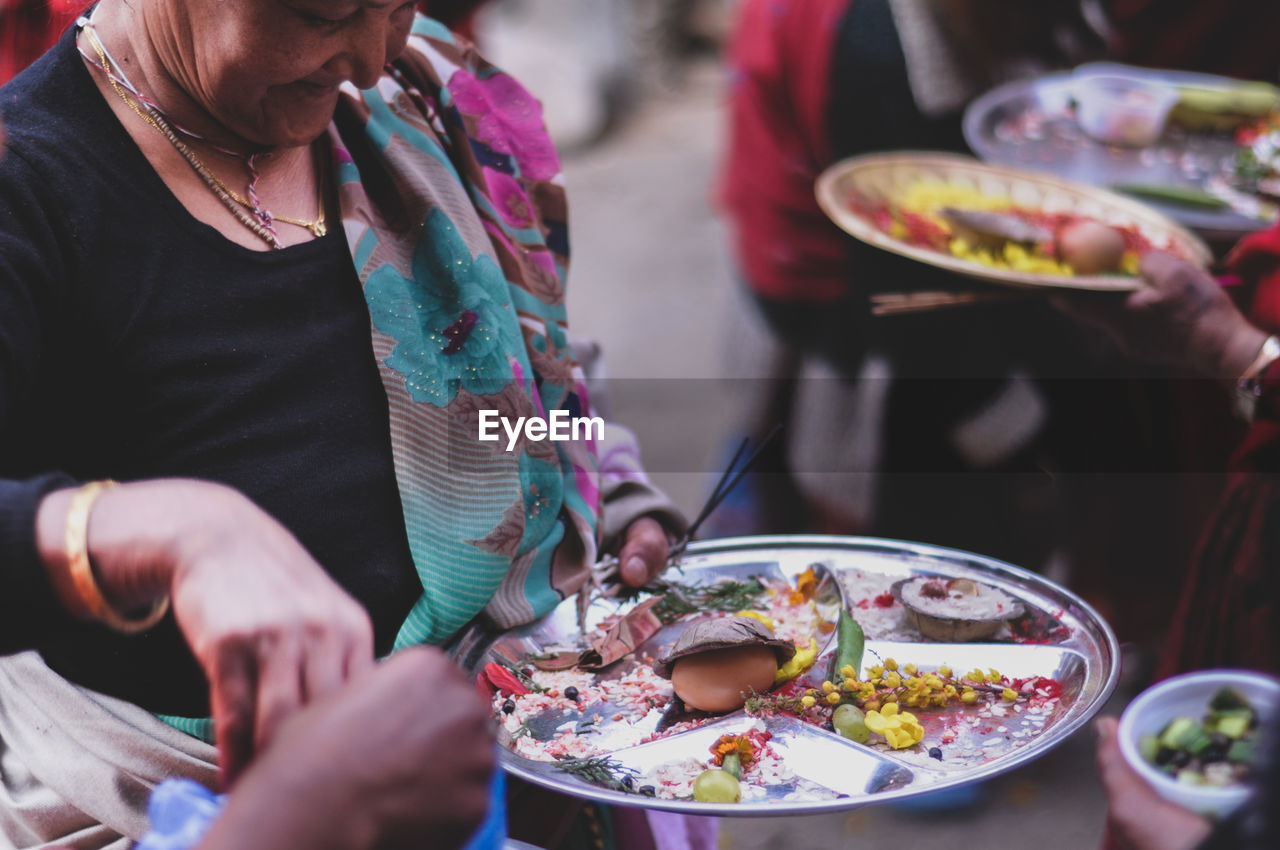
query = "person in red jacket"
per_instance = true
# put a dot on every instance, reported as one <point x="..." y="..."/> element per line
<point x="1229" y="612"/>
<point x="30" y="27"/>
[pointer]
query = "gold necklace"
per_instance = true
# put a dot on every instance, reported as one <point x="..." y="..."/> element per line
<point x="317" y="226"/>
<point x="232" y="200"/>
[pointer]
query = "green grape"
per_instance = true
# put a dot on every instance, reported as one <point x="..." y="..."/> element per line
<point x="716" y="786"/>
<point x="850" y="722"/>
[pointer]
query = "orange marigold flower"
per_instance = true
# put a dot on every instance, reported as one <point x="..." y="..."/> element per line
<point x="727" y="744"/>
<point x="806" y="587"/>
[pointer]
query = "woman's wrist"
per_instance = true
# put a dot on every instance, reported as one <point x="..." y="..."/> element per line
<point x="131" y="535"/>
<point x="51" y="524"/>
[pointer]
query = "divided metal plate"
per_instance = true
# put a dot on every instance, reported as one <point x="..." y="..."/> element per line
<point x="1069" y="642"/>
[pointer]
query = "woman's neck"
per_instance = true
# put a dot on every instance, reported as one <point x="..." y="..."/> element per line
<point x="151" y="46"/>
<point x="273" y="198"/>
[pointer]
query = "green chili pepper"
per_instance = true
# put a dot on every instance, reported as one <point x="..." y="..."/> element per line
<point x="1182" y="195"/>
<point x="850" y="644"/>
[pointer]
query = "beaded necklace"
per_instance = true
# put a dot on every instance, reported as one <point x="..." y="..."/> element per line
<point x="259" y="219"/>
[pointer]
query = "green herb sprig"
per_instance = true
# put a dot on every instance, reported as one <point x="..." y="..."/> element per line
<point x="681" y="599"/>
<point x="601" y="771"/>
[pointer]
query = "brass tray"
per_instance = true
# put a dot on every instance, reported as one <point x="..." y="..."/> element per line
<point x="849" y="188"/>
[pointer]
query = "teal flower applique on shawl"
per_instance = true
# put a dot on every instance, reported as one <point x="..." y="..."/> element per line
<point x="452" y="323"/>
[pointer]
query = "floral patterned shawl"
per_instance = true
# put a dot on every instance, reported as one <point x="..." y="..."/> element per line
<point x="455" y="213"/>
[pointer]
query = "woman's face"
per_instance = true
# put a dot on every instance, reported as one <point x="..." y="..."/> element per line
<point x="269" y="70"/>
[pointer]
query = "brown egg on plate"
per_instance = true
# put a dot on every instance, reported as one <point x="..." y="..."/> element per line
<point x="1090" y="247"/>
<point x="717" y="663"/>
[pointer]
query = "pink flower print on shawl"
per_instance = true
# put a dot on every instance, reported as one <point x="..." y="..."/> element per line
<point x="509" y="198"/>
<point x="508" y="119"/>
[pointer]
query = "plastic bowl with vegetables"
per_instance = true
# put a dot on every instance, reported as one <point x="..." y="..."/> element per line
<point x="1190" y="736"/>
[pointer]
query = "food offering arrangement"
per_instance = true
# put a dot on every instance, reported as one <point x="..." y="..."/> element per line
<point x="998" y="224"/>
<point x="1200" y="148"/>
<point x="776" y="675"/>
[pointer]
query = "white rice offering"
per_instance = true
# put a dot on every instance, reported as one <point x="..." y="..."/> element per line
<point x="873" y="606"/>
<point x="673" y="780"/>
<point x="960" y="599"/>
<point x="794" y="622"/>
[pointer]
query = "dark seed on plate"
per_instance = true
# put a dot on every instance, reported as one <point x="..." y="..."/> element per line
<point x="628" y="782"/>
<point x="509" y="706"/>
<point x="1181" y="758"/>
<point x="1164" y="755"/>
<point x="571" y="693"/>
<point x="648" y="791"/>
<point x="935" y="753"/>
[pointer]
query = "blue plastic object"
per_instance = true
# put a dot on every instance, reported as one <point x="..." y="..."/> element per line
<point x="182" y="811"/>
<point x="492" y="834"/>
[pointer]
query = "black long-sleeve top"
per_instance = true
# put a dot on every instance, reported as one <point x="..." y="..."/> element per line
<point x="137" y="342"/>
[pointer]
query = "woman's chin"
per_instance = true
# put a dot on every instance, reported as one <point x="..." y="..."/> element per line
<point x="301" y="124"/>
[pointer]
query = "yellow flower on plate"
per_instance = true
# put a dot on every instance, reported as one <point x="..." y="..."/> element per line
<point x="900" y="728"/>
<point x="756" y="615"/>
<point x="801" y="661"/>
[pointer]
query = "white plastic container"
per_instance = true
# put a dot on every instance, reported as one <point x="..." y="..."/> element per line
<point x="1188" y="696"/>
<point x="1123" y="110"/>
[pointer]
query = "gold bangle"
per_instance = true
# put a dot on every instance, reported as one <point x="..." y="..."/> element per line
<point x="77" y="544"/>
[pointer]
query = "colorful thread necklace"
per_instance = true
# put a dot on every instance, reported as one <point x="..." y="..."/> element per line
<point x="259" y="219"/>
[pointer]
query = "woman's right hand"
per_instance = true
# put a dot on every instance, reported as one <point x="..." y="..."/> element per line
<point x="271" y="630"/>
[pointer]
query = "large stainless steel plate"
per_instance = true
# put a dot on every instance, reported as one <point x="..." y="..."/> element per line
<point x="1083" y="656"/>
<point x="1060" y="148"/>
